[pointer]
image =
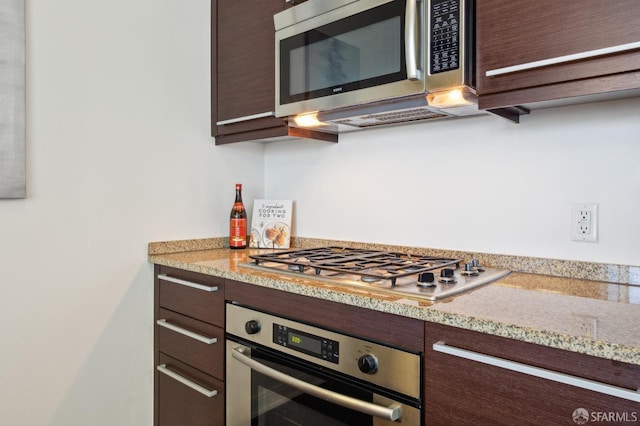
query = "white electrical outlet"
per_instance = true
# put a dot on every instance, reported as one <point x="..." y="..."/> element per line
<point x="584" y="222"/>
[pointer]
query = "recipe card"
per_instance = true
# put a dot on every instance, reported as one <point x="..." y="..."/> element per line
<point x="271" y="224"/>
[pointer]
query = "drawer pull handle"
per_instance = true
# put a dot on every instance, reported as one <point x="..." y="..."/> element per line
<point x="539" y="372"/>
<point x="246" y="118"/>
<point x="564" y="59"/>
<point x="166" y="277"/>
<point x="206" y="392"/>
<point x="198" y="337"/>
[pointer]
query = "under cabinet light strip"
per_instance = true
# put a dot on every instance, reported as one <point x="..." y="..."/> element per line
<point x="246" y="118"/>
<point x="539" y="372"/>
<point x="206" y="392"/>
<point x="183" y="331"/>
<point x="563" y="59"/>
<point x="166" y="277"/>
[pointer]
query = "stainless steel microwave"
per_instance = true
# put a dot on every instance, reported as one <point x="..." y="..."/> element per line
<point x="335" y="54"/>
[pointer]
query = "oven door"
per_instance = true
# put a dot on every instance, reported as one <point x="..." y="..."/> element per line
<point x="348" y="53"/>
<point x="267" y="388"/>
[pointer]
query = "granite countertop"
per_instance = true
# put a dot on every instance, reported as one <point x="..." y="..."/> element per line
<point x="535" y="308"/>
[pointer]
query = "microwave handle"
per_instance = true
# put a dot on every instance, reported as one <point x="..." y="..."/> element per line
<point x="393" y="412"/>
<point x="411" y="39"/>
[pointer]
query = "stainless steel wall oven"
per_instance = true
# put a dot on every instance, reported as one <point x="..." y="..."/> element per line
<point x="282" y="372"/>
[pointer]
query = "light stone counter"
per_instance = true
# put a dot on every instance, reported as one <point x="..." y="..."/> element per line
<point x="541" y="309"/>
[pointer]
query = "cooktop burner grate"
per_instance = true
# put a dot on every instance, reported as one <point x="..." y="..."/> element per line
<point x="370" y="265"/>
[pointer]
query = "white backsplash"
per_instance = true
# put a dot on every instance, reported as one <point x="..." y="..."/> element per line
<point x="477" y="184"/>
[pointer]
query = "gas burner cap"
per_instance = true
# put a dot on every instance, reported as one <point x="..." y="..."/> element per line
<point x="366" y="279"/>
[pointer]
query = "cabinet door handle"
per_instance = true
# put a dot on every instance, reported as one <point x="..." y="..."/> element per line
<point x="206" y="392"/>
<point x="198" y="337"/>
<point x="564" y="59"/>
<point x="539" y="372"/>
<point x="393" y="412"/>
<point x="166" y="277"/>
<point x="246" y="118"/>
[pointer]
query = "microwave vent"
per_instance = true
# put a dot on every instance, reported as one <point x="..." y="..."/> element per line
<point x="385" y="118"/>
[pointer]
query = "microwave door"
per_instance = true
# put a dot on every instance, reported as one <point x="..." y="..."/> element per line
<point x="362" y="52"/>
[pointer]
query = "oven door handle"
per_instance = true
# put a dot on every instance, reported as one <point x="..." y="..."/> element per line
<point x="393" y="412"/>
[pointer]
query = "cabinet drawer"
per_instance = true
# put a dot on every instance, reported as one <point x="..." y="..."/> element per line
<point x="189" y="293"/>
<point x="462" y="387"/>
<point x="193" y="342"/>
<point x="179" y="404"/>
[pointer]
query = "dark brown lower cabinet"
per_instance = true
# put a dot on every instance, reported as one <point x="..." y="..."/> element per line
<point x="188" y="348"/>
<point x="179" y="404"/>
<point x="461" y="391"/>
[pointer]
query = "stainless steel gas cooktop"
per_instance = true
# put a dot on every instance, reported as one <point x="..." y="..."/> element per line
<point x="414" y="275"/>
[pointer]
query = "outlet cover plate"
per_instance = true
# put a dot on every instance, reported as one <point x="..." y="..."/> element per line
<point x="584" y="222"/>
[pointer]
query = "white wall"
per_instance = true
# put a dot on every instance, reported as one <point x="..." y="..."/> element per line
<point x="479" y="184"/>
<point x="118" y="155"/>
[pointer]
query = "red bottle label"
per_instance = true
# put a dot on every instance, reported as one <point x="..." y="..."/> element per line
<point x="238" y="233"/>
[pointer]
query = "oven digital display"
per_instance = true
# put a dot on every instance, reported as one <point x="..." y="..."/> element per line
<point x="306" y="343"/>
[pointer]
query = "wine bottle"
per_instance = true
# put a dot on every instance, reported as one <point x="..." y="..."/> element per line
<point x="238" y="222"/>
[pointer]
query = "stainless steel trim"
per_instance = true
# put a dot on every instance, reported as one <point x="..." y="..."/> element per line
<point x="539" y="372"/>
<point x="165" y="277"/>
<point x="564" y="59"/>
<point x="310" y="9"/>
<point x="208" y="340"/>
<point x="464" y="284"/>
<point x="204" y="391"/>
<point x="393" y="412"/>
<point x="246" y="118"/>
<point x="411" y="41"/>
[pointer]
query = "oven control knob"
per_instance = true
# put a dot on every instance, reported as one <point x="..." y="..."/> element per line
<point x="252" y="327"/>
<point x="368" y="364"/>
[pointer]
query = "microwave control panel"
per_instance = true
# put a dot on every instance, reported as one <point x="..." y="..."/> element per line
<point x="444" y="27"/>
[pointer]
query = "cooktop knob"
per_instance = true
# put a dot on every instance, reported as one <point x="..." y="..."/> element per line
<point x="446" y="276"/>
<point x="476" y="264"/>
<point x="469" y="269"/>
<point x="252" y="327"/>
<point x="368" y="364"/>
<point x="426" y="279"/>
<point x="446" y="273"/>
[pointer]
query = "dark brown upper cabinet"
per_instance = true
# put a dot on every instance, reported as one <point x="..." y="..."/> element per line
<point x="243" y="73"/>
<point x="544" y="50"/>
